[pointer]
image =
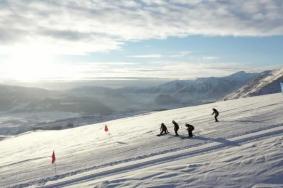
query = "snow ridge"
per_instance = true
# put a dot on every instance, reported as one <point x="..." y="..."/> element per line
<point x="266" y="83"/>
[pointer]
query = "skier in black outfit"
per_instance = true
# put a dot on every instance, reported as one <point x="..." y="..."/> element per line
<point x="190" y="129"/>
<point x="216" y="114"/>
<point x="163" y="129"/>
<point x="176" y="127"/>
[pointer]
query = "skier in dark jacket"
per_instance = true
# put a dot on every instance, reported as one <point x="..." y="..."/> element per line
<point x="216" y="114"/>
<point x="190" y="129"/>
<point x="163" y="129"/>
<point x="176" y="127"/>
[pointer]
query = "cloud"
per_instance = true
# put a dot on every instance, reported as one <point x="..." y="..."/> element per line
<point x="210" y="58"/>
<point x="150" y="56"/>
<point x="93" y="25"/>
<point x="121" y="70"/>
<point x="180" y="54"/>
<point x="168" y="70"/>
<point x="162" y="56"/>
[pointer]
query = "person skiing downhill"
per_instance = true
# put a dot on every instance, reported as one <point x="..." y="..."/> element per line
<point x="190" y="129"/>
<point x="163" y="129"/>
<point x="176" y="127"/>
<point x="216" y="114"/>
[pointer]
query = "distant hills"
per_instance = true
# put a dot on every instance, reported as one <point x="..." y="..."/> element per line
<point x="24" y="99"/>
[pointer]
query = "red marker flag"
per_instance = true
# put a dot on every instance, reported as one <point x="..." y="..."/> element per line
<point x="106" y="128"/>
<point x="53" y="157"/>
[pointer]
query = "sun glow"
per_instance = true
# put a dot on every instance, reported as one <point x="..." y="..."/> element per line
<point x="29" y="64"/>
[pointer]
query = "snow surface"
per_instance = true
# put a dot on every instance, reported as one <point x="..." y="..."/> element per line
<point x="243" y="150"/>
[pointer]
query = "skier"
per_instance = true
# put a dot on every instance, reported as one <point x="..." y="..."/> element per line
<point x="215" y="113"/>
<point x="176" y="127"/>
<point x="190" y="129"/>
<point x="163" y="129"/>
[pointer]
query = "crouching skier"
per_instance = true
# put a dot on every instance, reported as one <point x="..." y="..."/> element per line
<point x="163" y="129"/>
<point x="190" y="129"/>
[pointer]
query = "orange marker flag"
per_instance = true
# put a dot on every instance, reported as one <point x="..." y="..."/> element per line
<point x="53" y="157"/>
<point x="106" y="128"/>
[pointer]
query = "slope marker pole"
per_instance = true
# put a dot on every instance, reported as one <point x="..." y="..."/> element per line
<point x="55" y="168"/>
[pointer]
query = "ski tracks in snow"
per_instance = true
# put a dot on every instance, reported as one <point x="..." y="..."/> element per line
<point x="126" y="166"/>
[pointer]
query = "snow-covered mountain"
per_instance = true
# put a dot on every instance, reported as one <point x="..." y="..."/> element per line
<point x="266" y="83"/>
<point x="202" y="90"/>
<point x="243" y="150"/>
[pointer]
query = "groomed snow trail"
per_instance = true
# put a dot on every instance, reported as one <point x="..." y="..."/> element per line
<point x="132" y="155"/>
<point x="169" y="157"/>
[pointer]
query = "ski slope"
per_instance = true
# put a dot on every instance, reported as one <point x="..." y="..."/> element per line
<point x="243" y="150"/>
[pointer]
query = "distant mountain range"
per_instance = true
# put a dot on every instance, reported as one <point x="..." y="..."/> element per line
<point x="91" y="100"/>
<point x="26" y="108"/>
<point x="267" y="82"/>
<point x="173" y="94"/>
<point x="202" y="90"/>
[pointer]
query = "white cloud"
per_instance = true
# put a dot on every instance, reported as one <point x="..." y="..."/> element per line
<point x="162" y="56"/>
<point x="120" y="70"/>
<point x="210" y="58"/>
<point x="150" y="56"/>
<point x="180" y="54"/>
<point x="73" y="26"/>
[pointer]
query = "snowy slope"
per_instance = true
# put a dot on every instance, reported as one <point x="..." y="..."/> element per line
<point x="267" y="82"/>
<point x="243" y="150"/>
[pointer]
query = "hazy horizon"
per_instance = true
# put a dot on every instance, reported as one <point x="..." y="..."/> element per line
<point x="103" y="82"/>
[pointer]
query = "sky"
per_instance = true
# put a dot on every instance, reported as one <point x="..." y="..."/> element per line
<point x="138" y="39"/>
